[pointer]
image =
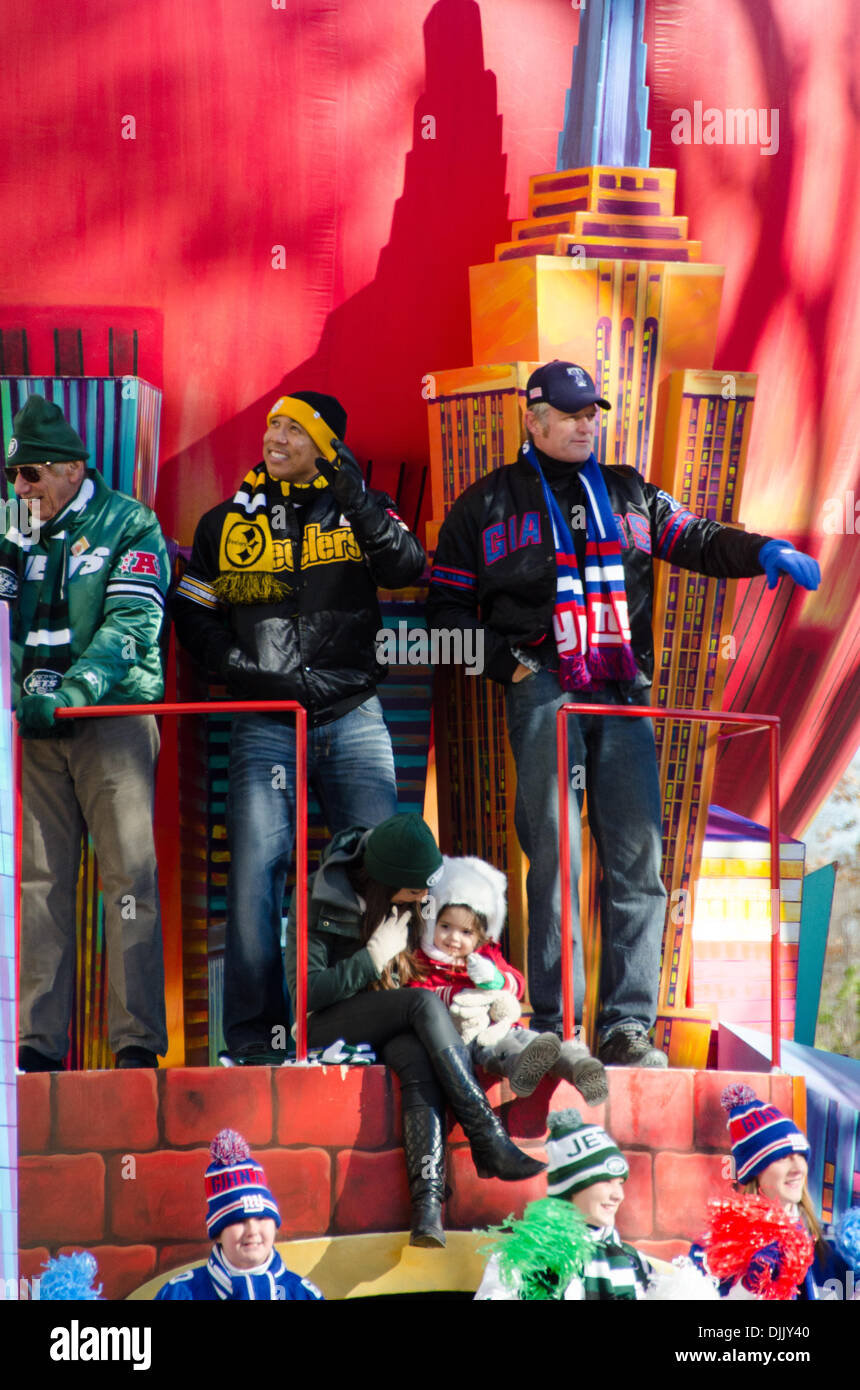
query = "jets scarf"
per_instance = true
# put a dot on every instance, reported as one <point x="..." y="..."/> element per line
<point x="590" y="622"/>
<point x="46" y="650"/>
<point x="255" y="566"/>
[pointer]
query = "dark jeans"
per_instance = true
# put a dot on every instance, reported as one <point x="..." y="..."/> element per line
<point x="405" y="1027"/>
<point x="615" y="759"/>
<point x="351" y="768"/>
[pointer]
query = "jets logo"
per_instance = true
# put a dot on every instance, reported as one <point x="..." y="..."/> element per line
<point x="13" y="445"/>
<point x="244" y="544"/>
<point x="42" y="682"/>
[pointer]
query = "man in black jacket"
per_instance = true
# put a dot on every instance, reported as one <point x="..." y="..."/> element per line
<point x="279" y="599"/>
<point x="552" y="557"/>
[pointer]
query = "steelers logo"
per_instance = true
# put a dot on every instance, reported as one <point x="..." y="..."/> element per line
<point x="244" y="544"/>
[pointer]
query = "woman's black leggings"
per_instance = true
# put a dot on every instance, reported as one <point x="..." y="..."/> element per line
<point x="405" y="1027"/>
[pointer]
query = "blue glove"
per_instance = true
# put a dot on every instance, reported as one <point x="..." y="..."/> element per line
<point x="765" y="1265"/>
<point x="779" y="557"/>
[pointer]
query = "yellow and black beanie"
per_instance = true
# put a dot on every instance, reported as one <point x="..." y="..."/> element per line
<point x="322" y="416"/>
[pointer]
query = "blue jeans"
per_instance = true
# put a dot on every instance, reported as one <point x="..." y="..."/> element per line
<point x="351" y="769"/>
<point x="619" y="768"/>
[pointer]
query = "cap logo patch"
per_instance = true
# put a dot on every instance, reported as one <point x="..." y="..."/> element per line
<point x="579" y="376"/>
<point x="614" y="1165"/>
<point x="435" y="876"/>
<point x="13" y="445"/>
<point x="535" y="393"/>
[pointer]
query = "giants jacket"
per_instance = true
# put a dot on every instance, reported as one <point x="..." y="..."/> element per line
<point x="495" y="568"/>
<point x="317" y="646"/>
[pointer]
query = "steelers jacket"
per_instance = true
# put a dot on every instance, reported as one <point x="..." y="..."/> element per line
<point x="494" y="567"/>
<point x="318" y="646"/>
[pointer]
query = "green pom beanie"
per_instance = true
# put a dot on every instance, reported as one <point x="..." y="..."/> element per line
<point x="41" y="433"/>
<point x="579" y="1154"/>
<point x="402" y="853"/>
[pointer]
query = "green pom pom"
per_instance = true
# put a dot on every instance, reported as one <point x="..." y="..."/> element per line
<point x="541" y="1253"/>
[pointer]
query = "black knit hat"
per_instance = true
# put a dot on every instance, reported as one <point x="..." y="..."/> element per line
<point x="41" y="434"/>
<point x="402" y="853"/>
<point x="328" y="407"/>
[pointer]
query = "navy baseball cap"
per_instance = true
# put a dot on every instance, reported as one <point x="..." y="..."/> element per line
<point x="565" y="386"/>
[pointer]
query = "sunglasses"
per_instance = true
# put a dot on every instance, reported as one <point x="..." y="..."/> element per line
<point x="30" y="472"/>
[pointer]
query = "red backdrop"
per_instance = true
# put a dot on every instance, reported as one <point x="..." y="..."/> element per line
<point x="257" y="128"/>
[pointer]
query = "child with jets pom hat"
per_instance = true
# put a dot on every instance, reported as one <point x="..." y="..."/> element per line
<point x="566" y="1246"/>
<point x="241" y="1210"/>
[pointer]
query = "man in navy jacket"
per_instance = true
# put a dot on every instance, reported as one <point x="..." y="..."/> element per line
<point x="552" y="557"/>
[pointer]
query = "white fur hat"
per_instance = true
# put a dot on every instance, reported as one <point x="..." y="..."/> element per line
<point x="468" y="882"/>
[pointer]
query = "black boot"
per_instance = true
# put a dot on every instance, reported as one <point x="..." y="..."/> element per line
<point x="494" y="1152"/>
<point x="424" y="1146"/>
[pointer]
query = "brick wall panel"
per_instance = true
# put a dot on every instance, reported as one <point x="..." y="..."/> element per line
<point x="651" y="1109"/>
<point x="61" y="1198"/>
<point x="371" y="1192"/>
<point x="337" y="1107"/>
<point x="200" y="1101"/>
<point x="636" y="1213"/>
<point x="683" y="1185"/>
<point x="106" y="1110"/>
<point x="300" y="1180"/>
<point x="175" y="1256"/>
<point x="34" y="1113"/>
<point x="478" y="1201"/>
<point x="164" y="1200"/>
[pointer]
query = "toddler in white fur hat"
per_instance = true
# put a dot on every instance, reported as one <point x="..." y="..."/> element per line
<point x="464" y="965"/>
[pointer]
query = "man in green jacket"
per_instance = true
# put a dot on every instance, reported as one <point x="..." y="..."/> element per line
<point x="86" y="580"/>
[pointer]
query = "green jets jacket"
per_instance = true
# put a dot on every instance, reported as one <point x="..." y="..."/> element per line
<point x="117" y="575"/>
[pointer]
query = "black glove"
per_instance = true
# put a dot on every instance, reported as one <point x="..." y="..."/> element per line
<point x="343" y="476"/>
<point x="236" y="665"/>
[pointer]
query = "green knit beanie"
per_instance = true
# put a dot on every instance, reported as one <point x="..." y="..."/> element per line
<point x="579" y="1154"/>
<point x="41" y="433"/>
<point x="402" y="853"/>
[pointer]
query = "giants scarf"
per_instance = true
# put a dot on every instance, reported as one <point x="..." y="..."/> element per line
<point x="591" y="625"/>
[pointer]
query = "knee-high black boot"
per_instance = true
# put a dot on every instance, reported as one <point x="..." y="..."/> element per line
<point x="424" y="1145"/>
<point x="494" y="1152"/>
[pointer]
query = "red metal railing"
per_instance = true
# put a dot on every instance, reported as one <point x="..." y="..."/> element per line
<point x="750" y="722"/>
<point x="228" y="707"/>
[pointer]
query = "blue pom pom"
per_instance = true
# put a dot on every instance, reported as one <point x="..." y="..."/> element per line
<point x="70" y="1277"/>
<point x="847" y="1236"/>
<point x="228" y="1148"/>
<point x="737" y="1094"/>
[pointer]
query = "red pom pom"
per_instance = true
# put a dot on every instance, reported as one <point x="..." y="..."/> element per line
<point x="739" y="1227"/>
<point x="738" y="1094"/>
<point x="228" y="1147"/>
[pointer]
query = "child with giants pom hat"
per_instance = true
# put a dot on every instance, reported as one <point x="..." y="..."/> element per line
<point x="241" y="1210"/>
<point x="764" y="1240"/>
<point x="566" y="1246"/>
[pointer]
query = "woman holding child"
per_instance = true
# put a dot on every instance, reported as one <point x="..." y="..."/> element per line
<point x="364" y="931"/>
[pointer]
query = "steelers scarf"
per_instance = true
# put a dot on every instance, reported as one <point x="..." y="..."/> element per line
<point x="254" y="567"/>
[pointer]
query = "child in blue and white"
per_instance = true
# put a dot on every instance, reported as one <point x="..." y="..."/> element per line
<point x="241" y="1218"/>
